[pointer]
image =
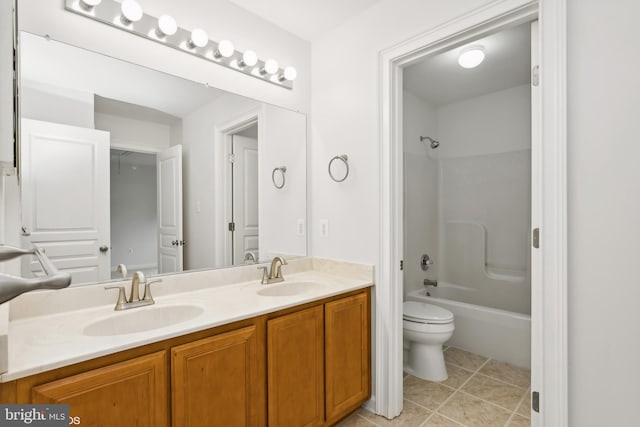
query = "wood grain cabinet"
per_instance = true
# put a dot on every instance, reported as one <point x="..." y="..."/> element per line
<point x="217" y="381"/>
<point x="319" y="362"/>
<point x="299" y="367"/>
<point x="347" y="355"/>
<point x="295" y="360"/>
<point x="130" y="393"/>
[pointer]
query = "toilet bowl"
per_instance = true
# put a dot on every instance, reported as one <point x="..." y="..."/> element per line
<point x="426" y="328"/>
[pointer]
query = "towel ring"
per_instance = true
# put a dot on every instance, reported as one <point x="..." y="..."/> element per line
<point x="282" y="170"/>
<point x="345" y="160"/>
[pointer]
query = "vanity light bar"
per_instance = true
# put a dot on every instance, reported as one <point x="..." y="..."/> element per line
<point x="194" y="42"/>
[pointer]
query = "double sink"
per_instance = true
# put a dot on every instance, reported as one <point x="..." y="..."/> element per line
<point x="159" y="316"/>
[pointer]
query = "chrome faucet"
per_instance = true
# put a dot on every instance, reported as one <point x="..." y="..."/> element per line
<point x="134" y="297"/>
<point x="275" y="273"/>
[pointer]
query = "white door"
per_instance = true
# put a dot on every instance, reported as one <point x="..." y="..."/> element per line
<point x="170" y="238"/>
<point x="65" y="198"/>
<point x="245" y="197"/>
<point x="536" y="218"/>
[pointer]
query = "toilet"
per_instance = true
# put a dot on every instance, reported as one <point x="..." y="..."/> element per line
<point x="426" y="327"/>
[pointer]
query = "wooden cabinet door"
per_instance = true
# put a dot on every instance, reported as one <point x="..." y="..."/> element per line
<point x="347" y="354"/>
<point x="131" y="393"/>
<point x="295" y="360"/>
<point x="217" y="381"/>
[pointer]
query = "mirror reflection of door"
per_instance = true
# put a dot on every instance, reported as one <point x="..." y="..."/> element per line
<point x="244" y="183"/>
<point x="65" y="198"/>
<point x="170" y="237"/>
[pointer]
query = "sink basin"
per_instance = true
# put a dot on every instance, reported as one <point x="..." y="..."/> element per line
<point x="142" y="319"/>
<point x="288" y="288"/>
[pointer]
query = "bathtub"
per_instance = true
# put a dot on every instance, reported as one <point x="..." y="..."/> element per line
<point x="490" y="332"/>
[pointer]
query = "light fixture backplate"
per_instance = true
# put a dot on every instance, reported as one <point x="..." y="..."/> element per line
<point x="108" y="12"/>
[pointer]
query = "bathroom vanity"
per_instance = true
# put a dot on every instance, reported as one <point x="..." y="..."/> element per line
<point x="294" y="353"/>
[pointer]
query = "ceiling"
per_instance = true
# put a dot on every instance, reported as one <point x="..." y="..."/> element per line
<point x="439" y="80"/>
<point x="307" y="19"/>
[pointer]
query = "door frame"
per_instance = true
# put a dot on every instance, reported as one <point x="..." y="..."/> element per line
<point x="549" y="294"/>
<point x="223" y="199"/>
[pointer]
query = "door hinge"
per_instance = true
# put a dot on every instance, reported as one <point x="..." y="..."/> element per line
<point x="401" y="264"/>
<point x="535" y="401"/>
<point x="535" y="75"/>
<point x="232" y="158"/>
<point x="232" y="226"/>
<point x="535" y="239"/>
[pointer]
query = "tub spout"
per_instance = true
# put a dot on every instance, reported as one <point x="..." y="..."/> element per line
<point x="429" y="282"/>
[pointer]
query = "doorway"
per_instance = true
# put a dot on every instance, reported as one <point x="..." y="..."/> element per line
<point x="243" y="225"/>
<point x="549" y="341"/>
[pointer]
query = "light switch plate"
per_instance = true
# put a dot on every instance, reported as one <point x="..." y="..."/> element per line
<point x="300" y="227"/>
<point x="324" y="228"/>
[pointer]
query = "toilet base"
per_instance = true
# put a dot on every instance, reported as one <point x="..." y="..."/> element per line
<point x="427" y="362"/>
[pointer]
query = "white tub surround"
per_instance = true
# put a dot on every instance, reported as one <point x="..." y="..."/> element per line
<point x="490" y="332"/>
<point x="46" y="328"/>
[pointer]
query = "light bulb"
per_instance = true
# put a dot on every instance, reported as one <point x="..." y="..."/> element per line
<point x="88" y="5"/>
<point x="249" y="58"/>
<point x="131" y="11"/>
<point x="225" y="48"/>
<point x="290" y="74"/>
<point x="471" y="56"/>
<point x="167" y="26"/>
<point x="270" y="67"/>
<point x="199" y="38"/>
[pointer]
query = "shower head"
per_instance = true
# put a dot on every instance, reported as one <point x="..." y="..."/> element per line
<point x="434" y="143"/>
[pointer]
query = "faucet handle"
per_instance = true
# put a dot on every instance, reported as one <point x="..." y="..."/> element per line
<point x="147" y="290"/>
<point x="122" y="299"/>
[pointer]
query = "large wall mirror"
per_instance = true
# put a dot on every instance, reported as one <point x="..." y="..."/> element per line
<point x="124" y="165"/>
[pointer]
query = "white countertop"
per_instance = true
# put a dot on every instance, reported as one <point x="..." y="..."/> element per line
<point x="39" y="343"/>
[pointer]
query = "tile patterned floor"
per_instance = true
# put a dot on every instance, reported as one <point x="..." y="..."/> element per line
<point x="480" y="392"/>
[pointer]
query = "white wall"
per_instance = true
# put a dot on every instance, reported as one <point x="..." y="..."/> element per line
<point x="604" y="212"/>
<point x="280" y="142"/>
<point x="40" y="101"/>
<point x="497" y="122"/>
<point x="130" y="132"/>
<point x="420" y="192"/>
<point x="602" y="182"/>
<point x="203" y="167"/>
<point x="345" y="120"/>
<point x="134" y="215"/>
<point x="221" y="19"/>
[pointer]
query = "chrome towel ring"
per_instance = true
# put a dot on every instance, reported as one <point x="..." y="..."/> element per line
<point x="282" y="170"/>
<point x="345" y="160"/>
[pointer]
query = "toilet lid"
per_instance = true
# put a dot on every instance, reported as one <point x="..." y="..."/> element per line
<point x="426" y="313"/>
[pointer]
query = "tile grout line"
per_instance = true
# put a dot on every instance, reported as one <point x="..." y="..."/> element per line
<point x="435" y="411"/>
<point x="522" y="399"/>
<point x="486" y="375"/>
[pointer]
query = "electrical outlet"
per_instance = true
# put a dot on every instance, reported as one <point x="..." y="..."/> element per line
<point x="324" y="228"/>
<point x="300" y="227"/>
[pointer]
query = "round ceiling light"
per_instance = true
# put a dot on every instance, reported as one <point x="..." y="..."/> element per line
<point x="471" y="57"/>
